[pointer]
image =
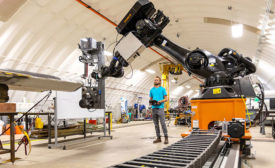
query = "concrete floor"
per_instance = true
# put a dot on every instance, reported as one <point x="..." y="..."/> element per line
<point x="128" y="143"/>
<point x="264" y="149"/>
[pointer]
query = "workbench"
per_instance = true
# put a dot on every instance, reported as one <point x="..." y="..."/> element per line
<point x="12" y="141"/>
<point x="63" y="145"/>
<point x="11" y="116"/>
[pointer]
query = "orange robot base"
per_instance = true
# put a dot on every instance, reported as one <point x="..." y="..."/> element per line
<point x="207" y="111"/>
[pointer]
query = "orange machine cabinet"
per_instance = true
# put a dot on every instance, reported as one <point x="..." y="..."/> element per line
<point x="208" y="110"/>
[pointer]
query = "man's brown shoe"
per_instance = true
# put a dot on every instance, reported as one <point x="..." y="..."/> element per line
<point x="157" y="140"/>
<point x="166" y="140"/>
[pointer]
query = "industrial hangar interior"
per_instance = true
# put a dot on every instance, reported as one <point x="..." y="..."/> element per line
<point x="137" y="83"/>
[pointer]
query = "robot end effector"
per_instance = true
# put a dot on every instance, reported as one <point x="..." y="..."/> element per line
<point x="91" y="51"/>
<point x="139" y="28"/>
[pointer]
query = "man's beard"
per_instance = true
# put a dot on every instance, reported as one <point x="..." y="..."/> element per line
<point x="156" y="84"/>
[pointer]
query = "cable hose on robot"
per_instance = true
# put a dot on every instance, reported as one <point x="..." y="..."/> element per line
<point x="262" y="106"/>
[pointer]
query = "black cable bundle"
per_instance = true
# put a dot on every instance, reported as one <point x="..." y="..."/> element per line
<point x="262" y="106"/>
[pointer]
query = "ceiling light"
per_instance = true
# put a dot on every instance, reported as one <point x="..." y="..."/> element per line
<point x="108" y="53"/>
<point x="196" y="95"/>
<point x="150" y="71"/>
<point x="137" y="75"/>
<point x="188" y="86"/>
<point x="189" y="93"/>
<point x="173" y="80"/>
<point x="178" y="90"/>
<point x="237" y="30"/>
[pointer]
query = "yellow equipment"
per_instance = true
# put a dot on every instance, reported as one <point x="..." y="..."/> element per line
<point x="167" y="69"/>
<point x="38" y="123"/>
<point x="110" y="119"/>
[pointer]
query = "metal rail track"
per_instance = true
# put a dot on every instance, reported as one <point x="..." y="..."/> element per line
<point x="190" y="152"/>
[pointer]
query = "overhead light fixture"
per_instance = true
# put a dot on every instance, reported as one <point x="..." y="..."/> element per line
<point x="188" y="86"/>
<point x="137" y="75"/>
<point x="150" y="71"/>
<point x="196" y="95"/>
<point x="178" y="90"/>
<point x="108" y="53"/>
<point x="237" y="30"/>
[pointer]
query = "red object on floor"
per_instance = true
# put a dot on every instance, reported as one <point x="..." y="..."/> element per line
<point x="93" y="122"/>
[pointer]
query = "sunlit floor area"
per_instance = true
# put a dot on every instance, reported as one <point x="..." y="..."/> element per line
<point x="128" y="143"/>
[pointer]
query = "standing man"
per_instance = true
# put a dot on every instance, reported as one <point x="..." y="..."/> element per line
<point x="158" y="93"/>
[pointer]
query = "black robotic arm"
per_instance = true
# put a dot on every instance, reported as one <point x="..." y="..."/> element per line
<point x="146" y="23"/>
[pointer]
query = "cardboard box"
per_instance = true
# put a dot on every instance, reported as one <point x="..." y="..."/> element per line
<point x="7" y="107"/>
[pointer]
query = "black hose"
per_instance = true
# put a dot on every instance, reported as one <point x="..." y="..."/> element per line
<point x="249" y="65"/>
<point x="262" y="105"/>
<point x="262" y="98"/>
<point x="265" y="116"/>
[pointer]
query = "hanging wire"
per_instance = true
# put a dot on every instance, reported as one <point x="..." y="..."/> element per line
<point x="41" y="108"/>
<point x="132" y="73"/>
<point x="115" y="42"/>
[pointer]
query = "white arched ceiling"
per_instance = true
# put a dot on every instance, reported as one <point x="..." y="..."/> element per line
<point x="42" y="36"/>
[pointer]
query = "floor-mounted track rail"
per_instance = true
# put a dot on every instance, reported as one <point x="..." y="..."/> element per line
<point x="191" y="151"/>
